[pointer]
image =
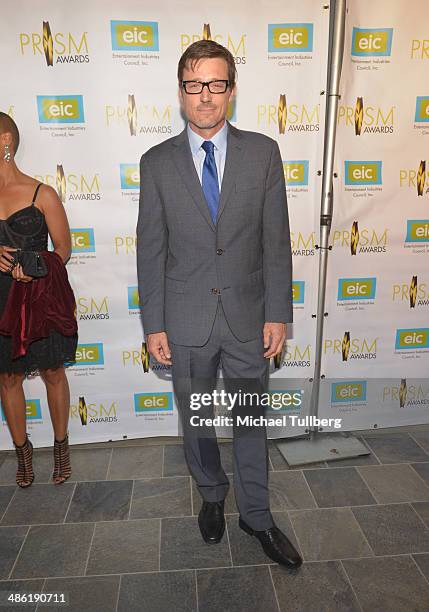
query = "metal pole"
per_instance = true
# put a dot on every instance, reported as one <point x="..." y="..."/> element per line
<point x="335" y="59"/>
<point x="323" y="447"/>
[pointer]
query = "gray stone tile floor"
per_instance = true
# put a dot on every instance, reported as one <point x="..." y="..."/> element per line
<point x="122" y="533"/>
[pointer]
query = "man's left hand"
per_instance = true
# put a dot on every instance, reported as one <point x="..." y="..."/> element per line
<point x="274" y="338"/>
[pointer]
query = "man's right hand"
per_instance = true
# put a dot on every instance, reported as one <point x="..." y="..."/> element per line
<point x="157" y="345"/>
<point x="6" y="259"/>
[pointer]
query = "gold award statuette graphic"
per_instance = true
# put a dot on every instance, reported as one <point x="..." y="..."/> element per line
<point x="61" y="183"/>
<point x="206" y="32"/>
<point x="277" y="359"/>
<point x="345" y="346"/>
<point x="145" y="357"/>
<point x="282" y="114"/>
<point x="403" y="392"/>
<point x="83" y="411"/>
<point x="358" y="116"/>
<point x="354" y="238"/>
<point x="132" y="114"/>
<point x="48" y="44"/>
<point x="421" y="178"/>
<point x="413" y="292"/>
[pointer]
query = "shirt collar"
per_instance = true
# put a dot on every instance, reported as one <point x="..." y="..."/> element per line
<point x="219" y="139"/>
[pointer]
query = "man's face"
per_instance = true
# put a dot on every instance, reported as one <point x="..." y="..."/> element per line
<point x="206" y="112"/>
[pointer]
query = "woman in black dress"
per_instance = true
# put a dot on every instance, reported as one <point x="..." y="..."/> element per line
<point x="29" y="211"/>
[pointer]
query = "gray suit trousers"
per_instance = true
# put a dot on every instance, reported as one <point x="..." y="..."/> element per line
<point x="195" y="369"/>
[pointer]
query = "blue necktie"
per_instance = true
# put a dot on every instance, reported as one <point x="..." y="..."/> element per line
<point x="210" y="182"/>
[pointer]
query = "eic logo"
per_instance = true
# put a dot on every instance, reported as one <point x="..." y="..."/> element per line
<point x="134" y="35"/>
<point x="362" y="172"/>
<point x="371" y="42"/>
<point x="90" y="354"/>
<point x="349" y="391"/>
<point x="290" y="37"/>
<point x="153" y="402"/>
<point x="414" y="338"/>
<point x="60" y="109"/>
<point x="356" y="288"/>
<point x="130" y="176"/>
<point x="83" y="240"/>
<point x="296" y="172"/>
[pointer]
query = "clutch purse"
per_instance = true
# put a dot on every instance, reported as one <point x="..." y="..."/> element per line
<point x="32" y="263"/>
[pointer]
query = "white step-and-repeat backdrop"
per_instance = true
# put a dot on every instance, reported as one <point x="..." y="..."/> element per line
<point x="93" y="85"/>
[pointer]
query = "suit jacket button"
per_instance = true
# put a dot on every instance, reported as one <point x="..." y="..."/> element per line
<point x="219" y="251"/>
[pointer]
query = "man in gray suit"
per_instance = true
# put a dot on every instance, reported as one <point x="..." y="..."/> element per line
<point x="215" y="282"/>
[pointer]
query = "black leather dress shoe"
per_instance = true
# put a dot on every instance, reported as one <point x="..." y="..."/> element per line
<point x="275" y="544"/>
<point x="212" y="521"/>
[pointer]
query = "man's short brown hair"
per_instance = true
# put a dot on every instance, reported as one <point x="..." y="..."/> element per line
<point x="206" y="49"/>
<point x="8" y="126"/>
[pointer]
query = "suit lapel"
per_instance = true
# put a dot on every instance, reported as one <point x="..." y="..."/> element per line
<point x="183" y="159"/>
<point x="234" y="155"/>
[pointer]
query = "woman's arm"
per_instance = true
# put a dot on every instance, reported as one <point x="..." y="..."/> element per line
<point x="56" y="220"/>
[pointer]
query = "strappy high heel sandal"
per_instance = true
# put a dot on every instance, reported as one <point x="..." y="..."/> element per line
<point x="24" y="474"/>
<point x="62" y="466"/>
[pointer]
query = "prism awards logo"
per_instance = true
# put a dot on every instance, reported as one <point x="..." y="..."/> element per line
<point x="364" y="240"/>
<point x="73" y="185"/>
<point x="89" y="308"/>
<point x="421" y="116"/>
<point x="407" y="395"/>
<point x="288" y="117"/>
<point x="415" y="179"/>
<point x="351" y="348"/>
<point x="145" y="358"/>
<point x="135" y="43"/>
<point x="303" y="245"/>
<point x="149" y="403"/>
<point x="415" y="294"/>
<point x="58" y="47"/>
<point x="367" y="118"/>
<point x="417" y="236"/>
<point x="356" y="293"/>
<point x="139" y="118"/>
<point x="293" y="41"/>
<point x="403" y="391"/>
<point x="132" y="115"/>
<point x="235" y="43"/>
<point x="83" y="411"/>
<point x="91" y="412"/>
<point x="371" y="44"/>
<point x="133" y="300"/>
<point x="83" y="244"/>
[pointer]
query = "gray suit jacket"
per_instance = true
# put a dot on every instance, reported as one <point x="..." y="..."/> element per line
<point x="184" y="261"/>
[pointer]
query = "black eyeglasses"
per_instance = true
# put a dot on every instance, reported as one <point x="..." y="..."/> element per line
<point x="196" y="87"/>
